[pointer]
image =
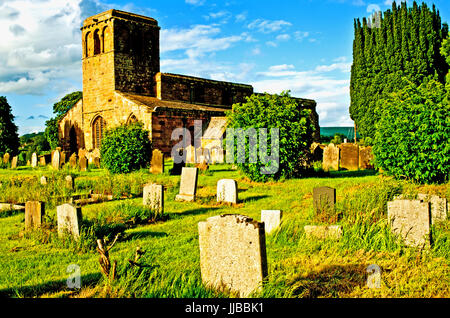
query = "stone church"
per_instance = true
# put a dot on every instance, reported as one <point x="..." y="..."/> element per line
<point x="122" y="83"/>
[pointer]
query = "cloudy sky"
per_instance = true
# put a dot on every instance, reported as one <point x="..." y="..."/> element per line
<point x="300" y="45"/>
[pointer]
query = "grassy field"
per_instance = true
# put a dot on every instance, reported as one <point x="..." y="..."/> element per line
<point x="35" y="264"/>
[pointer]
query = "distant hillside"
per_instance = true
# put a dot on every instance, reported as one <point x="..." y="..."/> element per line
<point x="349" y="132"/>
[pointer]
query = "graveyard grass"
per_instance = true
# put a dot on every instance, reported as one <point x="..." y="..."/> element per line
<point x="34" y="264"/>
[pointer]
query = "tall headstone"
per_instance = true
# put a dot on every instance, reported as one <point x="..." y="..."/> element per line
<point x="56" y="159"/>
<point x="73" y="161"/>
<point x="217" y="155"/>
<point x="34" y="160"/>
<point x="69" y="220"/>
<point x="96" y="162"/>
<point x="438" y="207"/>
<point x="6" y="158"/>
<point x="14" y="162"/>
<point x="190" y="154"/>
<point x="178" y="166"/>
<point x="410" y="219"/>
<point x="34" y="213"/>
<point x="271" y="219"/>
<point x="188" y="185"/>
<point x="153" y="197"/>
<point x="70" y="182"/>
<point x="63" y="158"/>
<point x="324" y="199"/>
<point x="227" y="191"/>
<point x="157" y="163"/>
<point x="83" y="162"/>
<point x="349" y="156"/>
<point x="365" y="158"/>
<point x="233" y="253"/>
<point x="331" y="158"/>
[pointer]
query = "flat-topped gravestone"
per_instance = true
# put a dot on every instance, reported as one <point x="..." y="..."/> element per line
<point x="365" y="158"/>
<point x="233" y="253"/>
<point x="69" y="220"/>
<point x="188" y="184"/>
<point x="271" y="219"/>
<point x="83" y="163"/>
<point x="34" y="213"/>
<point x="324" y="199"/>
<point x="438" y="207"/>
<point x="410" y="220"/>
<point x="56" y="159"/>
<point x="227" y="191"/>
<point x="349" y="157"/>
<point x="70" y="183"/>
<point x="330" y="158"/>
<point x="157" y="163"/>
<point x="14" y="162"/>
<point x="153" y="197"/>
<point x="6" y="158"/>
<point x="43" y="180"/>
<point x="323" y="232"/>
<point x="34" y="160"/>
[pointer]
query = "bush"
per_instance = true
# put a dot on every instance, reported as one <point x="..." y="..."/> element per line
<point x="126" y="148"/>
<point x="412" y="137"/>
<point x="295" y="134"/>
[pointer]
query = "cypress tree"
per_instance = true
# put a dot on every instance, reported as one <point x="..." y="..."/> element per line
<point x="9" y="139"/>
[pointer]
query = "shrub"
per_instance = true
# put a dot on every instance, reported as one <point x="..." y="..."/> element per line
<point x="412" y="137"/>
<point x="295" y="133"/>
<point x="126" y="148"/>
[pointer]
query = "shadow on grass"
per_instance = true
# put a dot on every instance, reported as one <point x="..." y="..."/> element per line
<point x="331" y="281"/>
<point x="143" y="234"/>
<point x="193" y="212"/>
<point x="343" y="174"/>
<point x="254" y="198"/>
<point x="48" y="287"/>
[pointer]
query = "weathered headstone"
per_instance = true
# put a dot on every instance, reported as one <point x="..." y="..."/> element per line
<point x="34" y="213"/>
<point x="28" y="163"/>
<point x="70" y="182"/>
<point x="6" y="158"/>
<point x="410" y="219"/>
<point x="63" y="157"/>
<point x="324" y="199"/>
<point x="190" y="154"/>
<point x="157" y="163"/>
<point x="323" y="232"/>
<point x="96" y="162"/>
<point x="73" y="160"/>
<point x="349" y="157"/>
<point x="56" y="159"/>
<point x="43" y="180"/>
<point x="217" y="155"/>
<point x="331" y="158"/>
<point x="188" y="185"/>
<point x="69" y="220"/>
<point x="178" y="166"/>
<point x="271" y="219"/>
<point x="317" y="151"/>
<point x="34" y="160"/>
<point x="14" y="162"/>
<point x="42" y="161"/>
<point x="365" y="158"/>
<point x="153" y="197"/>
<point x="83" y="162"/>
<point x="438" y="207"/>
<point x="227" y="191"/>
<point x="233" y="253"/>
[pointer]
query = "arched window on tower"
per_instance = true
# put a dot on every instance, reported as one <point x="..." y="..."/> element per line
<point x="98" y="128"/>
<point x="132" y="119"/>
<point x="106" y="40"/>
<point x="97" y="48"/>
<point x="87" y="44"/>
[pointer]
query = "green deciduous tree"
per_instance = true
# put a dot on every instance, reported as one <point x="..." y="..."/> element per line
<point x="9" y="138"/>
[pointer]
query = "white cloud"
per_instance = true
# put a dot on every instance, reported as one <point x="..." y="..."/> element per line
<point x="271" y="43"/>
<point x="300" y="35"/>
<point x="283" y="37"/>
<point x="241" y="17"/>
<point x="343" y="67"/>
<point x="282" y="67"/>
<point x="267" y="26"/>
<point x="196" y="2"/>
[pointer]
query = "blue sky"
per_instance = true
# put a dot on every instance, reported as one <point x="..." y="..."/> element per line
<point x="300" y="45"/>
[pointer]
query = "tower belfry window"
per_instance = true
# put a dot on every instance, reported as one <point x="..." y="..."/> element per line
<point x="98" y="129"/>
<point x="97" y="48"/>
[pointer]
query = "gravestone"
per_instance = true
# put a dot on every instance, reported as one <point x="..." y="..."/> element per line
<point x="188" y="185"/>
<point x="438" y="207"/>
<point x="70" y="182"/>
<point x="271" y="219"/>
<point x="410" y="220"/>
<point x="365" y="158"/>
<point x="63" y="158"/>
<point x="83" y="163"/>
<point x="349" y="157"/>
<point x="157" y="163"/>
<point x="42" y="161"/>
<point x="227" y="191"/>
<point x="324" y="199"/>
<point x="6" y="158"/>
<point x="330" y="158"/>
<point x="177" y="167"/>
<point x="69" y="220"/>
<point x="190" y="154"/>
<point x="153" y="197"/>
<point x="56" y="159"/>
<point x="323" y="232"/>
<point x="217" y="155"/>
<point x="73" y="160"/>
<point x="14" y="162"/>
<point x="34" y="213"/>
<point x="34" y="160"/>
<point x="96" y="162"/>
<point x="43" y="180"/>
<point x="28" y="163"/>
<point x="233" y="253"/>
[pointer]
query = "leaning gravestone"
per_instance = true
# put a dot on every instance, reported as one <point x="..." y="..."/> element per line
<point x="34" y="213"/>
<point x="153" y="197"/>
<point x="323" y="232"/>
<point x="330" y="158"/>
<point x="34" y="160"/>
<point x="349" y="157"/>
<point x="188" y="185"/>
<point x="69" y="220"/>
<point x="271" y="219"/>
<point x="56" y="159"/>
<point x="157" y="163"/>
<point x="83" y="163"/>
<point x="438" y="207"/>
<point x="365" y="158"/>
<point x="73" y="160"/>
<point x="6" y="158"/>
<point x="410" y="219"/>
<point x="233" y="253"/>
<point x="324" y="199"/>
<point x="14" y="162"/>
<point x="227" y="191"/>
